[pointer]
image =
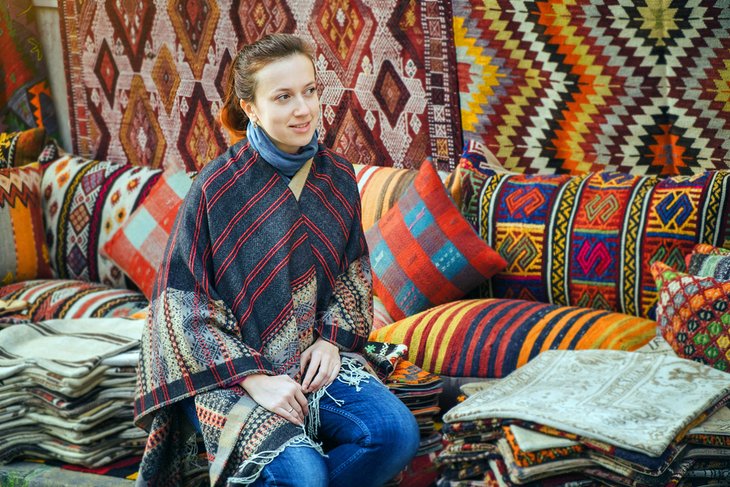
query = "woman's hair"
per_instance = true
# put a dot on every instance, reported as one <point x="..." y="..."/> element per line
<point x="242" y="76"/>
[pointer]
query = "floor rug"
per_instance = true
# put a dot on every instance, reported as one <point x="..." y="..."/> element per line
<point x="574" y="86"/>
<point x="146" y="78"/>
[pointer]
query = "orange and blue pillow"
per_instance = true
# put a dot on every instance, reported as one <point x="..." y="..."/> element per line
<point x="424" y="253"/>
<point x="138" y="246"/>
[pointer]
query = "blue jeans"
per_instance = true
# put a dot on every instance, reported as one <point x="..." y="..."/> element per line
<point x="368" y="440"/>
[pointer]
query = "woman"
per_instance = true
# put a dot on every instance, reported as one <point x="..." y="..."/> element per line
<point x="263" y="296"/>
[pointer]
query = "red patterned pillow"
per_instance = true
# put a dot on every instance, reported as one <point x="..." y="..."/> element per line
<point x="23" y="250"/>
<point x="694" y="315"/>
<point x="138" y="246"/>
<point x="424" y="253"/>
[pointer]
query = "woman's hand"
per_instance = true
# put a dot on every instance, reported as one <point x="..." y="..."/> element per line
<point x="320" y="365"/>
<point x="279" y="394"/>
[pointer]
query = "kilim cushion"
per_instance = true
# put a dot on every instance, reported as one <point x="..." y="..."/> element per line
<point x="84" y="203"/>
<point x="381" y="317"/>
<point x="489" y="338"/>
<point x="138" y="246"/>
<point x="23" y="250"/>
<point x="694" y="315"/>
<point x="21" y="148"/>
<point x="50" y="299"/>
<point x="588" y="240"/>
<point x="708" y="261"/>
<point x="423" y="252"/>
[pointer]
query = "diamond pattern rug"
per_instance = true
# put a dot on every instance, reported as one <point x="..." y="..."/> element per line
<point x="146" y="78"/>
<point x="580" y="85"/>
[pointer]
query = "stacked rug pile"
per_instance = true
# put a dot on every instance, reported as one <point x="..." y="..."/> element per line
<point x="592" y="417"/>
<point x="66" y="389"/>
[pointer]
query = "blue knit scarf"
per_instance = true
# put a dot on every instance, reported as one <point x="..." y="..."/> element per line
<point x="287" y="164"/>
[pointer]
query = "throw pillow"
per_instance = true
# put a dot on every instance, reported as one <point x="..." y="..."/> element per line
<point x="21" y="148"/>
<point x="23" y="250"/>
<point x="424" y="253"/>
<point x="137" y="247"/>
<point x="84" y="203"/>
<point x="708" y="261"/>
<point x="693" y="314"/>
<point x="489" y="338"/>
<point x="588" y="240"/>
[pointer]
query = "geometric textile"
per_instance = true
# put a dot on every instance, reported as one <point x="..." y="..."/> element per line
<point x="50" y="299"/>
<point x="84" y="203"/>
<point x="424" y="253"/>
<point x="639" y="402"/>
<point x="146" y="79"/>
<point x="570" y="87"/>
<point x="21" y="148"/>
<point x="694" y="315"/>
<point x="23" y="249"/>
<point x="25" y="95"/>
<point x="489" y="338"/>
<point x="589" y="240"/>
<point x="137" y="246"/>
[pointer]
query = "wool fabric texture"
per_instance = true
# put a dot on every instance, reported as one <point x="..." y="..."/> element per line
<point x="284" y="162"/>
<point x="249" y="280"/>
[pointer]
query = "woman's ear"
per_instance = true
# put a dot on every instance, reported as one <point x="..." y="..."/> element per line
<point x="249" y="110"/>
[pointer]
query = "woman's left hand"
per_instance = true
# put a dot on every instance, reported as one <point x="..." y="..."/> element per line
<point x="320" y="365"/>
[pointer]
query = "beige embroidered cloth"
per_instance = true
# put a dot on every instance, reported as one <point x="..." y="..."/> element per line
<point x="640" y="402"/>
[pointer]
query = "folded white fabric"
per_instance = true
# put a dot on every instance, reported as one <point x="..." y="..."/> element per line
<point x="640" y="402"/>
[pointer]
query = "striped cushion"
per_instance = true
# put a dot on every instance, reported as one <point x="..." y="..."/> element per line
<point x="138" y="246"/>
<point x="59" y="298"/>
<point x="424" y="253"/>
<point x="589" y="240"/>
<point x="489" y="338"/>
<point x="84" y="203"/>
<point x="23" y="249"/>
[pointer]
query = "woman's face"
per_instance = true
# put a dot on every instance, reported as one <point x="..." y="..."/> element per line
<point x="286" y="104"/>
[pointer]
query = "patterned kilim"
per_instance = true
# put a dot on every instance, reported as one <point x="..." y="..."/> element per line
<point x="146" y="78"/>
<point x="25" y="95"/>
<point x="589" y="240"/>
<point x="582" y="85"/>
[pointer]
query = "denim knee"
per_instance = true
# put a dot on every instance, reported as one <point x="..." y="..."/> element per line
<point x="296" y="466"/>
<point x="397" y="438"/>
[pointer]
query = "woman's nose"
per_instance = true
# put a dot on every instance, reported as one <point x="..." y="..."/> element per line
<point x="301" y="107"/>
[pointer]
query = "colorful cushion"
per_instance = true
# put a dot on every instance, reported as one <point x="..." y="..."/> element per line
<point x="694" y="315"/>
<point x="708" y="261"/>
<point x="138" y="246"/>
<point x="589" y="240"/>
<point x="60" y="298"/>
<point x="381" y="317"/>
<point x="381" y="187"/>
<point x="23" y="250"/>
<point x="84" y="203"/>
<point x="423" y="252"/>
<point x="489" y="338"/>
<point x="21" y="148"/>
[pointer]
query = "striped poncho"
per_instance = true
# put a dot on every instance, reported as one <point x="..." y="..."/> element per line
<point x="251" y="277"/>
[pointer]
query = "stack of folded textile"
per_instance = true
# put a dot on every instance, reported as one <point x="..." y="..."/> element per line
<point x="66" y="389"/>
<point x="592" y="416"/>
<point x="420" y="392"/>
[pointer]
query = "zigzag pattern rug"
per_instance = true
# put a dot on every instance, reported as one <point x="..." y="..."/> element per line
<point x="146" y="78"/>
<point x="579" y="85"/>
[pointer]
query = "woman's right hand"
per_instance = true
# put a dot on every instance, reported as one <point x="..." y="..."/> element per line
<point x="279" y="394"/>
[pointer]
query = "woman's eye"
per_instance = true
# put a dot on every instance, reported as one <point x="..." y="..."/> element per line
<point x="282" y="97"/>
<point x="312" y="90"/>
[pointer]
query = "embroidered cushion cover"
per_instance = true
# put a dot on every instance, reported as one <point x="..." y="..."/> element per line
<point x="489" y="338"/>
<point x="84" y="203"/>
<point x="708" y="261"/>
<point x="61" y="298"/>
<point x="23" y="250"/>
<point x="137" y="247"/>
<point x="588" y="240"/>
<point x="694" y="315"/>
<point x="423" y="252"/>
